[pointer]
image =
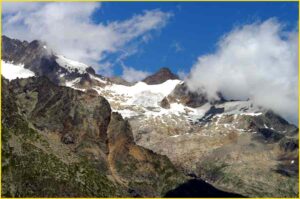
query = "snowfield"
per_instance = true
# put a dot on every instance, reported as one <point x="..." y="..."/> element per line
<point x="142" y="99"/>
<point x="12" y="71"/>
<point x="140" y="94"/>
<point x="141" y="90"/>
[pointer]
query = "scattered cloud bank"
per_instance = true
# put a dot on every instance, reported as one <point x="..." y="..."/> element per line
<point x="182" y="74"/>
<point x="68" y="28"/>
<point x="132" y="75"/>
<point x="258" y="61"/>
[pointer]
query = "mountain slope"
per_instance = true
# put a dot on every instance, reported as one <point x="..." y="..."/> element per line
<point x="235" y="145"/>
<point x="91" y="138"/>
<point x="36" y="164"/>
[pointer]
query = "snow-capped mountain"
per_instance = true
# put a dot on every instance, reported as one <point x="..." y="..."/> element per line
<point x="36" y="57"/>
<point x="223" y="142"/>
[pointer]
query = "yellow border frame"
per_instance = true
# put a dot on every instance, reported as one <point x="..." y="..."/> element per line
<point x="183" y="1"/>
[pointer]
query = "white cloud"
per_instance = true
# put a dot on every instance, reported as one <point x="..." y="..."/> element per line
<point x="257" y="61"/>
<point x="182" y="74"/>
<point x="11" y="8"/>
<point x="69" y="29"/>
<point x="177" y="47"/>
<point x="132" y="75"/>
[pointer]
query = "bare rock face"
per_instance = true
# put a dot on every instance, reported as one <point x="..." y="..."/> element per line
<point x="181" y="94"/>
<point x="132" y="164"/>
<point x="12" y="48"/>
<point x="161" y="76"/>
<point x="165" y="103"/>
<point x="61" y="109"/>
<point x="81" y="119"/>
<point x="119" y="131"/>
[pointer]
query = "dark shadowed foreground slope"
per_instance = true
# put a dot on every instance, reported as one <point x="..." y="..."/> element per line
<point x="198" y="188"/>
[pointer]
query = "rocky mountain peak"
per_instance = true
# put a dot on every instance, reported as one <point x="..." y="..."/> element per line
<point x="13" y="43"/>
<point x="11" y="48"/>
<point x="160" y="76"/>
<point x="164" y="70"/>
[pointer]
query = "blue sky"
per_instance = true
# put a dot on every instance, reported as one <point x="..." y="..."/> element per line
<point x="194" y="29"/>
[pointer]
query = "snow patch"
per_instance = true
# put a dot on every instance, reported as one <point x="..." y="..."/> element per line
<point x="12" y="71"/>
<point x="71" y="65"/>
<point x="251" y="114"/>
<point x="72" y="83"/>
<point x="126" y="113"/>
<point x="198" y="113"/>
<point x="98" y="79"/>
<point x="240" y="108"/>
<point x="174" y="136"/>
